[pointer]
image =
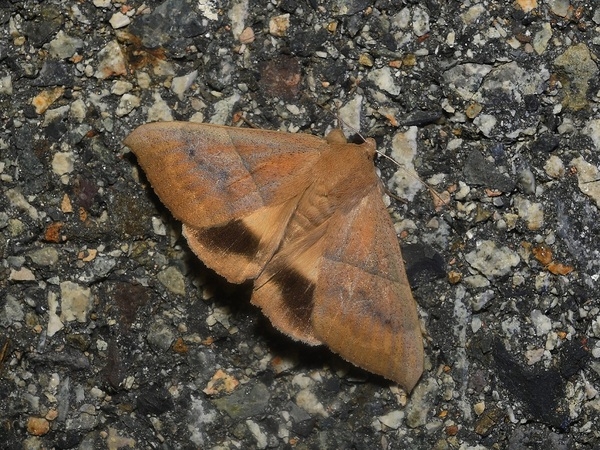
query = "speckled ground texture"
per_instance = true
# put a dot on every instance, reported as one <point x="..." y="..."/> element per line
<point x="113" y="335"/>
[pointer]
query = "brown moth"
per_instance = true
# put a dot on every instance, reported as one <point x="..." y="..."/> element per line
<point x="304" y="218"/>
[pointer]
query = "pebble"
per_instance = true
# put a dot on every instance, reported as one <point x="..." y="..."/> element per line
<point x="420" y="21"/>
<point x="485" y="123"/>
<point x="421" y="402"/>
<point x="128" y="103"/>
<point x="173" y="280"/>
<point x="64" y="46"/>
<point x="63" y="163"/>
<point x="592" y="129"/>
<point x="6" y="87"/>
<point x="559" y="7"/>
<point x="238" y="15"/>
<point x="466" y="79"/>
<point x="223" y="109"/>
<point x="492" y="261"/>
<point x="309" y="402"/>
<point x="111" y="61"/>
<point x="159" y="111"/>
<point x="75" y="301"/>
<point x="38" y="426"/>
<point x="242" y="403"/>
<point x="181" y="84"/>
<point x="158" y="226"/>
<point x="78" y="111"/>
<point x="116" y="440"/>
<point x="119" y="20"/>
<point x="393" y="419"/>
<point x="279" y="25"/>
<point x="45" y="256"/>
<point x="527" y="5"/>
<point x="482" y="300"/>
<point x="526" y="181"/>
<point x="246" y="36"/>
<point x="405" y="182"/>
<point x="534" y="355"/>
<point x="22" y="274"/>
<point x="259" y="435"/>
<point x="46" y="98"/>
<point x="12" y="312"/>
<point x="87" y="418"/>
<point x="554" y="167"/>
<point x="532" y="213"/>
<point x="588" y="177"/>
<point x="54" y="322"/>
<point x="55" y="115"/>
<point x="384" y="80"/>
<point x="350" y="113"/>
<point x="578" y="70"/>
<point x="596" y="327"/>
<point x="221" y="382"/>
<point x="364" y="59"/>
<point x="541" y="322"/>
<point x="542" y="38"/>
<point x="120" y="87"/>
<point x="160" y="336"/>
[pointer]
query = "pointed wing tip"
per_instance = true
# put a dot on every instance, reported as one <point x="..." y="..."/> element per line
<point x="148" y="133"/>
<point x="137" y="139"/>
<point x="410" y="380"/>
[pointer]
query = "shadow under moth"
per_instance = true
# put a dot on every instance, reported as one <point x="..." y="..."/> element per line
<point x="304" y="218"/>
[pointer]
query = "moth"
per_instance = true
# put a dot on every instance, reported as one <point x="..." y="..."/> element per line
<point x="304" y="218"/>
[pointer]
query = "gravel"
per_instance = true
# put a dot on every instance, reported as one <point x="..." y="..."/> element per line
<point x="112" y="334"/>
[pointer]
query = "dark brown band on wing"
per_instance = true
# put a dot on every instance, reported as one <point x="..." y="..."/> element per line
<point x="297" y="293"/>
<point x="233" y="237"/>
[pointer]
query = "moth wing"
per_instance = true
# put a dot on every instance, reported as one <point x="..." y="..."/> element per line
<point x="344" y="285"/>
<point x="285" y="290"/>
<point x="234" y="189"/>
<point x="209" y="175"/>
<point x="363" y="305"/>
<point x="238" y="250"/>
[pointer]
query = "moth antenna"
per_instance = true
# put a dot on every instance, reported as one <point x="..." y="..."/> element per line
<point x="394" y="196"/>
<point x="239" y="117"/>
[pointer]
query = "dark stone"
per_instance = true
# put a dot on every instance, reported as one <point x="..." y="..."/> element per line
<point x="42" y="28"/>
<point x="129" y="298"/>
<point x="243" y="403"/>
<point x="528" y="437"/>
<point x="154" y="400"/>
<point x="423" y="264"/>
<point x="114" y="371"/>
<point x="304" y="428"/>
<point x="54" y="73"/>
<point x="546" y="143"/>
<point x="170" y="20"/>
<point x="541" y="392"/>
<point x="68" y="439"/>
<point x="532" y="102"/>
<point x="422" y="118"/>
<point x="306" y="43"/>
<point x="280" y="77"/>
<point x="69" y="358"/>
<point x="574" y="357"/>
<point x="480" y="171"/>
